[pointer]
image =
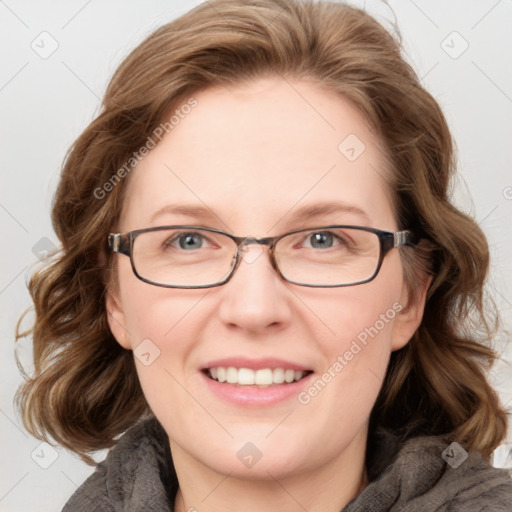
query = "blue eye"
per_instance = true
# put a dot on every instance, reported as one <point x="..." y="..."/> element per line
<point x="190" y="241"/>
<point x="321" y="240"/>
<point x="325" y="240"/>
<point x="186" y="241"/>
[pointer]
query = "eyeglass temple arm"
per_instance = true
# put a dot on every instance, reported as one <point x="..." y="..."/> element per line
<point x="404" y="238"/>
<point x="118" y="243"/>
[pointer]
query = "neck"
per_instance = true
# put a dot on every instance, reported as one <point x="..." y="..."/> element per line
<point x="326" y="488"/>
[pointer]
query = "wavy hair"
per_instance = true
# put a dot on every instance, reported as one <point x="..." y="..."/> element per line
<point x="84" y="391"/>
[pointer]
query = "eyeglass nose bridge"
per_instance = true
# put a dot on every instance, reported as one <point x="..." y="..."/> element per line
<point x="248" y="240"/>
<point x="251" y="257"/>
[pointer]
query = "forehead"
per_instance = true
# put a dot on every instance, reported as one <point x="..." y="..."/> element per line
<point x="256" y="153"/>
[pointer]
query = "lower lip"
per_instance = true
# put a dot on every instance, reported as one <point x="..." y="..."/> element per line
<point x="249" y="396"/>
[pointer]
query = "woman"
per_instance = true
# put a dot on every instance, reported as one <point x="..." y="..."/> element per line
<point x="263" y="281"/>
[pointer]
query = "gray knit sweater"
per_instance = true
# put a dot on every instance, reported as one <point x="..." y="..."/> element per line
<point x="138" y="476"/>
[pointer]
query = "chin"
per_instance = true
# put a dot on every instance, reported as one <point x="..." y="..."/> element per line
<point x="272" y="465"/>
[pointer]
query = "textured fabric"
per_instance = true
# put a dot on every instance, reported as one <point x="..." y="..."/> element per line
<point x="138" y="476"/>
<point x="417" y="479"/>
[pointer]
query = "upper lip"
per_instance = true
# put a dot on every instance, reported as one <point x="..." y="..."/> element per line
<point x="255" y="364"/>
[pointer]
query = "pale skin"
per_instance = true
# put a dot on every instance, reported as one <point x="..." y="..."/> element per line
<point x="252" y="156"/>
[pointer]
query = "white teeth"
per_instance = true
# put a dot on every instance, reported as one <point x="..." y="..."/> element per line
<point x="221" y="374"/>
<point x="248" y="377"/>
<point x="289" y="376"/>
<point x="263" y="377"/>
<point x="278" y="376"/>
<point x="245" y="376"/>
<point x="231" y="375"/>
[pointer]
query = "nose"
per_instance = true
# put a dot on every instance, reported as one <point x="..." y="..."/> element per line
<point x="255" y="299"/>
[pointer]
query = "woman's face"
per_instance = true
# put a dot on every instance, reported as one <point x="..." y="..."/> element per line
<point x="249" y="160"/>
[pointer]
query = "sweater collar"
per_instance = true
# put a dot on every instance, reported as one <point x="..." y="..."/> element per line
<point x="412" y="476"/>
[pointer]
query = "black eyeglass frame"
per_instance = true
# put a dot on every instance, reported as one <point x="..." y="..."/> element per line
<point x="122" y="243"/>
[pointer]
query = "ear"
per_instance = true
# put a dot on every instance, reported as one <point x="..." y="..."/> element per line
<point x="410" y="315"/>
<point x="116" y="317"/>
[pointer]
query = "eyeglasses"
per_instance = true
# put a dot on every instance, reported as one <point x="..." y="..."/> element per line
<point x="199" y="257"/>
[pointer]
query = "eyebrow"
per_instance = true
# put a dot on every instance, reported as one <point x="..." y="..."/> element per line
<point x="298" y="215"/>
<point x="189" y="210"/>
<point x="327" y="208"/>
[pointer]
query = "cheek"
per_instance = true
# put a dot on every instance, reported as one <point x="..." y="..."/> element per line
<point x="357" y="315"/>
<point x="357" y="353"/>
<point x="355" y="338"/>
<point x="339" y="400"/>
<point x="152" y="312"/>
<point x="165" y="330"/>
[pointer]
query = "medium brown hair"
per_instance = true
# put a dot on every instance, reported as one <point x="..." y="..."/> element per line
<point x="84" y="391"/>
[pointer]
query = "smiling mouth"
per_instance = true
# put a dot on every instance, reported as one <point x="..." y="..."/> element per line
<point x="263" y="378"/>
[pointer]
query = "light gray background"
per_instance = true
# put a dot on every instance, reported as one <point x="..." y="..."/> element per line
<point x="47" y="102"/>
